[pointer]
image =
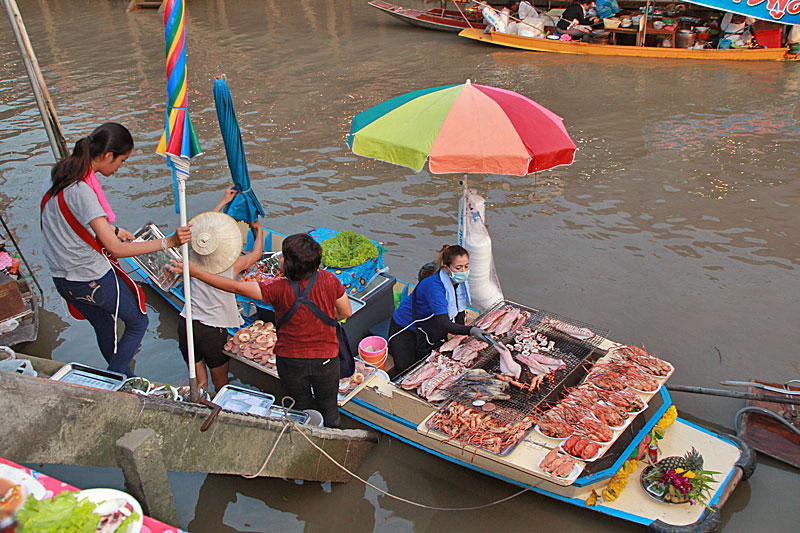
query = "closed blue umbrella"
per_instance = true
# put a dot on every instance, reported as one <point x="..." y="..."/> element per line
<point x="245" y="206"/>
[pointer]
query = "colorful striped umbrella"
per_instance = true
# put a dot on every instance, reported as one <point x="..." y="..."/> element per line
<point x="179" y="138"/>
<point x="179" y="144"/>
<point x="463" y="128"/>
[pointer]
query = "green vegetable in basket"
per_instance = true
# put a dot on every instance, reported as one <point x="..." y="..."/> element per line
<point x="347" y="249"/>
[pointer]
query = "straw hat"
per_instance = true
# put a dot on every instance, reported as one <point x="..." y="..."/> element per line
<point x="216" y="242"/>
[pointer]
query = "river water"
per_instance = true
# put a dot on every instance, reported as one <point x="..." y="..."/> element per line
<point x="675" y="227"/>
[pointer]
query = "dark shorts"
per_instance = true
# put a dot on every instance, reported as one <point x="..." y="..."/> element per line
<point x="208" y="343"/>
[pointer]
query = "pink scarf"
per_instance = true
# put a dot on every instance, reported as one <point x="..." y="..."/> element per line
<point x="92" y="181"/>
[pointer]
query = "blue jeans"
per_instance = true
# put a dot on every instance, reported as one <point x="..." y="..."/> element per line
<point x="96" y="301"/>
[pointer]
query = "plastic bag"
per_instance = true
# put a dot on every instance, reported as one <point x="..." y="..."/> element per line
<point x="532" y="26"/>
<point x="493" y="18"/>
<point x="484" y="286"/>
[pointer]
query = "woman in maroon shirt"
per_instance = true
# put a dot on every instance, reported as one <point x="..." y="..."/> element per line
<point x="307" y="348"/>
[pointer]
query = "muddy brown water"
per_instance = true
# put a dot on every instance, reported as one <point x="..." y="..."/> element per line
<point x="675" y="227"/>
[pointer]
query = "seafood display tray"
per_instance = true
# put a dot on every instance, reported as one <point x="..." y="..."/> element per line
<point x="155" y="263"/>
<point x="456" y="442"/>
<point x="372" y="371"/>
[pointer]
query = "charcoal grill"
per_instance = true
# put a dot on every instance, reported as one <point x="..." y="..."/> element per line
<point x="577" y="354"/>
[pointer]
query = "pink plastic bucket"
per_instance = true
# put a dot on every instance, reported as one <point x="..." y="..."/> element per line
<point x="373" y="350"/>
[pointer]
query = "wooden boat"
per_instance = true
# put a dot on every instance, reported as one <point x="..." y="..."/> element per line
<point x="581" y="48"/>
<point x="28" y="328"/>
<point x="381" y="404"/>
<point x="52" y="422"/>
<point x="432" y="19"/>
<point x="772" y="428"/>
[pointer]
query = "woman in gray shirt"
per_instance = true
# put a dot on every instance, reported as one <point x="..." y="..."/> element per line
<point x="81" y="245"/>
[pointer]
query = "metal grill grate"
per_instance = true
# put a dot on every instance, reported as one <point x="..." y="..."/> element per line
<point x="524" y="402"/>
<point x="574" y="352"/>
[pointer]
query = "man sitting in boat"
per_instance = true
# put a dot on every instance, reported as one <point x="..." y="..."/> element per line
<point x="576" y="21"/>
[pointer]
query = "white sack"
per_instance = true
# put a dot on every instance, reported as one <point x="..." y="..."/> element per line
<point x="484" y="286"/>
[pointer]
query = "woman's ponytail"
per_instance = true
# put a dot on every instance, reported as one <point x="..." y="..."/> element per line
<point x="109" y="137"/>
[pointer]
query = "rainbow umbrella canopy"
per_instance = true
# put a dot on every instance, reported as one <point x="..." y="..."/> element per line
<point x="179" y="144"/>
<point x="465" y="128"/>
<point x="179" y="139"/>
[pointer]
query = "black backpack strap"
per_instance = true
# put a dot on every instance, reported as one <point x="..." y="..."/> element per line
<point x="304" y="299"/>
<point x="298" y="300"/>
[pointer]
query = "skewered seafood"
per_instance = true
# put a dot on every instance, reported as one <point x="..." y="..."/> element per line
<point x="479" y="429"/>
<point x="433" y="377"/>
<point x="552" y="425"/>
<point x="573" y="331"/>
<point x="593" y="429"/>
<point x="649" y="363"/>
<point x="557" y="464"/>
<point x="623" y="399"/>
<point x="607" y="413"/>
<point x="435" y="363"/>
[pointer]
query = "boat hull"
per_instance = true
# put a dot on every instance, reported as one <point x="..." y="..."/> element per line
<point x="580" y="48"/>
<point x="52" y="422"/>
<point x="381" y="405"/>
<point x="433" y="19"/>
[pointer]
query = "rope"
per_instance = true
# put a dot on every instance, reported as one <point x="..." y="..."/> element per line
<point x="463" y="15"/>
<point x="398" y="498"/>
<point x="269" y="456"/>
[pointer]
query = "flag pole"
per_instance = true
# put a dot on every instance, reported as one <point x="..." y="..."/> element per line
<point x="181" y="168"/>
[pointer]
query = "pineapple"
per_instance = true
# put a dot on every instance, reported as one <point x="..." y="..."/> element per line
<point x="691" y="461"/>
<point x="694" y="461"/>
<point x="671" y="463"/>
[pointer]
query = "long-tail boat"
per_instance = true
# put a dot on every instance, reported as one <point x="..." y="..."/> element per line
<point x="432" y="19"/>
<point x="381" y="403"/>
<point x="656" y="52"/>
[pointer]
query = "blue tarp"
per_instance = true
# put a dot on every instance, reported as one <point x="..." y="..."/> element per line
<point x="354" y="278"/>
<point x="245" y="206"/>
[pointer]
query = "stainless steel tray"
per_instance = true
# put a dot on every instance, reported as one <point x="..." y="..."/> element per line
<point x="155" y="263"/>
<point x="241" y="400"/>
<point x="88" y="376"/>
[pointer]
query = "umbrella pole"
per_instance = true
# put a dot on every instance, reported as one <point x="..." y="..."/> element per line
<point x="181" y="169"/>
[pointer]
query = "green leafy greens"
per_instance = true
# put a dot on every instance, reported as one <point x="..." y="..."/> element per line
<point x="347" y="249"/>
<point x="63" y="514"/>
